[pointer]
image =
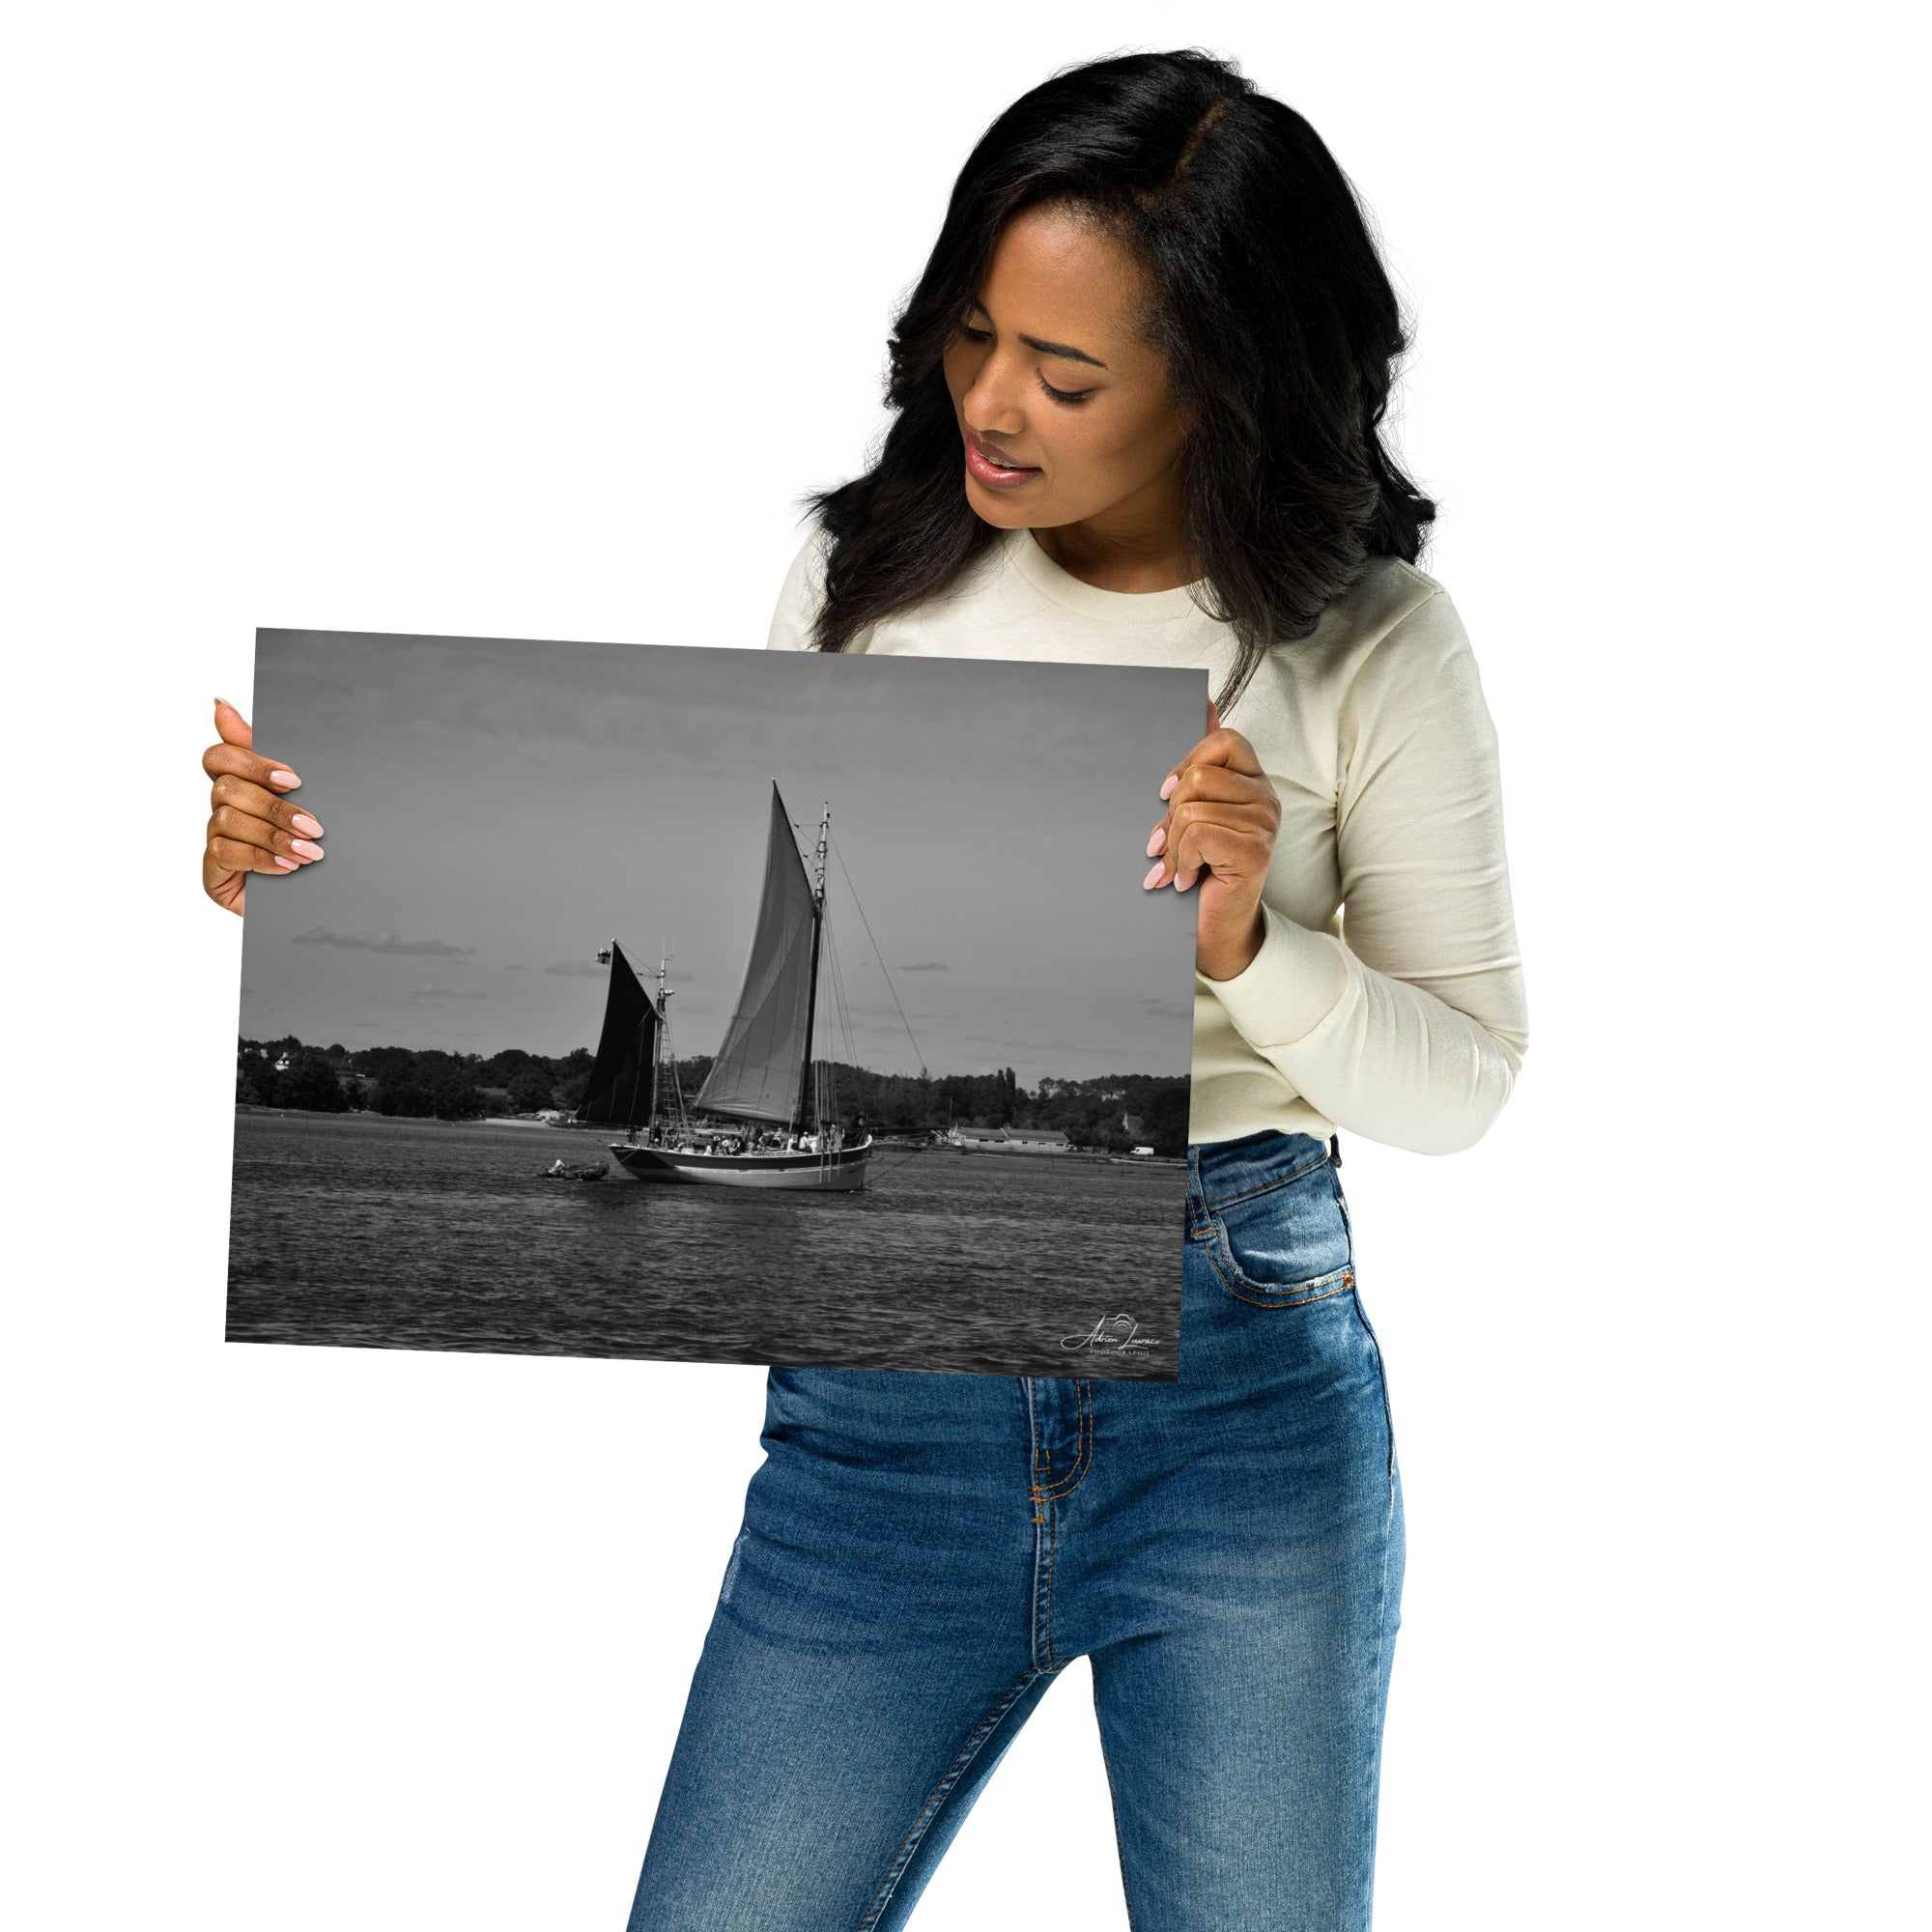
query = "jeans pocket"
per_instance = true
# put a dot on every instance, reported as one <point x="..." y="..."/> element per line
<point x="1285" y="1243"/>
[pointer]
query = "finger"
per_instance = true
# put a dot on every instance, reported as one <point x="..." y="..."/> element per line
<point x="1230" y="843"/>
<point x="1223" y="790"/>
<point x="240" y="763"/>
<point x="1220" y="747"/>
<point x="231" y="825"/>
<point x="260" y="802"/>
<point x="1230" y="851"/>
<point x="243" y="855"/>
<point x="1213" y="717"/>
<point x="231" y="728"/>
<point x="1219" y="781"/>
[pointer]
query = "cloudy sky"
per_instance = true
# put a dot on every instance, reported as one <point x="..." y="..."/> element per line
<point x="497" y="809"/>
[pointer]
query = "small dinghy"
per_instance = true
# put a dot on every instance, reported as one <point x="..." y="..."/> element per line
<point x="560" y="1172"/>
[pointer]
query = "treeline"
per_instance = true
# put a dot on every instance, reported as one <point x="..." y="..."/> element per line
<point x="1116" y="1111"/>
<point x="422" y="1084"/>
<point x="1112" y="1111"/>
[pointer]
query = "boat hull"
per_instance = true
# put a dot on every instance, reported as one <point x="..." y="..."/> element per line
<point x="842" y="1169"/>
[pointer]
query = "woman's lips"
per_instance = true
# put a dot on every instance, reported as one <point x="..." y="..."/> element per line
<point x="995" y="473"/>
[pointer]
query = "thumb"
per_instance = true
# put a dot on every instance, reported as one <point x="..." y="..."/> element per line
<point x="1213" y="717"/>
<point x="232" y="726"/>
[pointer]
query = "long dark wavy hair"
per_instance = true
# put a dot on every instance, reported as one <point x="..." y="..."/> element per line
<point x="1278" y="322"/>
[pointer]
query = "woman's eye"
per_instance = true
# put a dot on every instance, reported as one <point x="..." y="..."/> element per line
<point x="1064" y="395"/>
<point x="976" y="335"/>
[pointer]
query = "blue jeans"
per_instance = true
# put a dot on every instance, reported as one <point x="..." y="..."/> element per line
<point x="922" y="1554"/>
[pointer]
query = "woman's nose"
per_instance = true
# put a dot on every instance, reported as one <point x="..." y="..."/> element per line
<point x="991" y="406"/>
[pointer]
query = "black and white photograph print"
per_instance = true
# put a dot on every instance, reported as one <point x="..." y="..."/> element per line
<point x="704" y="1004"/>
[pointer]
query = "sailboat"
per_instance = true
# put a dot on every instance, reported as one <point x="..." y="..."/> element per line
<point x="762" y="1081"/>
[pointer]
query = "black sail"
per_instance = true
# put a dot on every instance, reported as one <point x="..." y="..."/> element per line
<point x="623" y="1082"/>
<point x="757" y="1073"/>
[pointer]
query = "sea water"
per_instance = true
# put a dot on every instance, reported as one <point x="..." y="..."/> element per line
<point x="354" y="1231"/>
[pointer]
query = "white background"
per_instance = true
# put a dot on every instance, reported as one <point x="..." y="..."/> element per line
<point x="536" y="322"/>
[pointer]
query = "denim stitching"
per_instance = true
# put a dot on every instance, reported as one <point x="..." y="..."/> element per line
<point x="1280" y="1180"/>
<point x="1381" y="1380"/>
<point x="1040" y="1614"/>
<point x="1042" y="1606"/>
<point x="1083" y="1449"/>
<point x="909" y="1844"/>
<point x="1238" y="1284"/>
<point x="1041" y="1496"/>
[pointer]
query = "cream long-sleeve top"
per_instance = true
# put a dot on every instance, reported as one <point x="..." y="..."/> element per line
<point x="1387" y="997"/>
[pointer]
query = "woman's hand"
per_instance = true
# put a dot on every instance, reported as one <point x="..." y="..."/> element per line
<point x="252" y="827"/>
<point x="1222" y="817"/>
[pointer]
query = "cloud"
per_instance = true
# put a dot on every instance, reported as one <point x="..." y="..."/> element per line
<point x="1040" y="1045"/>
<point x="927" y="966"/>
<point x="444" y="993"/>
<point x="383" y="941"/>
<point x="578" y="969"/>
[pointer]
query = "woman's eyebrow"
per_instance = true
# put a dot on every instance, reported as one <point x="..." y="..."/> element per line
<point x="1065" y="349"/>
<point x="1061" y="349"/>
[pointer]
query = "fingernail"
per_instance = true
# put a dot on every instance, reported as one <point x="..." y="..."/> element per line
<point x="282" y="778"/>
<point x="308" y="848"/>
<point x="302" y="822"/>
<point x="1173" y="780"/>
<point x="287" y="865"/>
<point x="1153" y="875"/>
<point x="1158" y="839"/>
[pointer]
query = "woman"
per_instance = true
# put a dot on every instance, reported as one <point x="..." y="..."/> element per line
<point x="1136" y="396"/>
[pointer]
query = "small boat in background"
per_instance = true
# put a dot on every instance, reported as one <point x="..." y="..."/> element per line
<point x="582" y="1171"/>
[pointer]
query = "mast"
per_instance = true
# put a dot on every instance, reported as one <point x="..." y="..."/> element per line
<point x="661" y="1052"/>
<point x="807" y="1097"/>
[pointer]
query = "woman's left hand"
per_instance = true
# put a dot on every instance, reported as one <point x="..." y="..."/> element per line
<point x="1222" y="816"/>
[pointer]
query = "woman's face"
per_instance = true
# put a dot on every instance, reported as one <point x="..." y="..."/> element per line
<point x="1049" y="375"/>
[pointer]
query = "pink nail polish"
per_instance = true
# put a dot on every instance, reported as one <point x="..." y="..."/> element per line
<point x="302" y="822"/>
<point x="281" y="778"/>
<point x="1158" y="839"/>
<point x="1153" y="875"/>
<point x="1173" y="780"/>
<point x="288" y="864"/>
<point x="308" y="848"/>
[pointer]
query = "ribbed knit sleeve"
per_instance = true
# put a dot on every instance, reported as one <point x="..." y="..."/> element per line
<point x="1410" y="1027"/>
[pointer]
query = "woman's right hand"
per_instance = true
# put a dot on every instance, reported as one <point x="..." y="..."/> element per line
<point x="253" y="828"/>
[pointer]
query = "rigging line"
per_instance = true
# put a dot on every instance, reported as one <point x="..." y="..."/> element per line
<point x="883" y="967"/>
<point x="841" y="1006"/>
<point x="846" y="1021"/>
<point x="841" y="1014"/>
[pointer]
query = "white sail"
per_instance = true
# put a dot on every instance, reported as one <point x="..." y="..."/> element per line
<point x="759" y="1069"/>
